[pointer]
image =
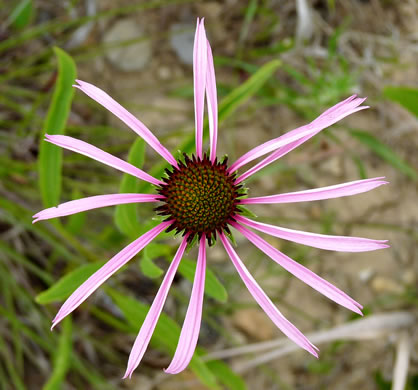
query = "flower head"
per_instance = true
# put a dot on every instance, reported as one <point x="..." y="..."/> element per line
<point x="201" y="197"/>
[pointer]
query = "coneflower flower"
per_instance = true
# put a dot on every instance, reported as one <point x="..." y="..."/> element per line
<point x="200" y="197"/>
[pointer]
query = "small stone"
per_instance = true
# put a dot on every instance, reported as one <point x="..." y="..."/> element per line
<point x="211" y="9"/>
<point x="382" y="284"/>
<point x="164" y="73"/>
<point x="132" y="57"/>
<point x="332" y="165"/>
<point x="218" y="254"/>
<point x="255" y="323"/>
<point x="139" y="382"/>
<point x="409" y="277"/>
<point x="365" y="274"/>
<point x="182" y="40"/>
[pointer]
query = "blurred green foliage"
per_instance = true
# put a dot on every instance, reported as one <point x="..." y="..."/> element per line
<point x="42" y="264"/>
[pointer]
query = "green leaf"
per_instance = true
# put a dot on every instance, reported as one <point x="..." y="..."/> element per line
<point x="50" y="156"/>
<point x="62" y="357"/>
<point x="213" y="287"/>
<point x="228" y="377"/>
<point x="246" y="90"/>
<point x="150" y="269"/>
<point x="151" y="252"/>
<point x="405" y="96"/>
<point x="76" y="221"/>
<point x="384" y="152"/>
<point x="126" y="215"/>
<point x="68" y="283"/>
<point x="246" y="212"/>
<point x="21" y="14"/>
<point x="361" y="167"/>
<point x="165" y="336"/>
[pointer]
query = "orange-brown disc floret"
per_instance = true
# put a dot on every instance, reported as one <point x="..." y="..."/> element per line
<point x="199" y="197"/>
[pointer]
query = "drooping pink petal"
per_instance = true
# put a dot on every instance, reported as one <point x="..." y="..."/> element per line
<point x="334" y="191"/>
<point x="97" y="154"/>
<point x="191" y="326"/>
<point x="147" y="329"/>
<point x="92" y="202"/>
<point x="326" y="119"/>
<point x="301" y="272"/>
<point x="199" y="79"/>
<point x="212" y="100"/>
<point x="288" y="148"/>
<point x="322" y="241"/>
<point x="266" y="304"/>
<point x="104" y="273"/>
<point x="126" y="117"/>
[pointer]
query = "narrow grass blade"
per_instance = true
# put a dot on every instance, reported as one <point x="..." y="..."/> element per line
<point x="62" y="289"/>
<point x="21" y="14"/>
<point x="246" y="90"/>
<point x="50" y="156"/>
<point x="385" y="152"/>
<point x="405" y="96"/>
<point x="229" y="378"/>
<point x="62" y="358"/>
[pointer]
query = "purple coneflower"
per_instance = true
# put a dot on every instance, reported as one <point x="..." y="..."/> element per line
<point x="200" y="197"/>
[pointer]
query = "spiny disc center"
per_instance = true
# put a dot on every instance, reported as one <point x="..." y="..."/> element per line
<point x="200" y="197"/>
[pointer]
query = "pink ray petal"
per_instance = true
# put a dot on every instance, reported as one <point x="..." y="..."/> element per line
<point x="100" y="155"/>
<point x="126" y="117"/>
<point x="272" y="157"/>
<point x="92" y="202"/>
<point x="191" y="326"/>
<point x="266" y="304"/>
<point x="288" y="148"/>
<point x="322" y="241"/>
<point x="301" y="272"/>
<point x="211" y="96"/>
<point x="199" y="78"/>
<point x="147" y="329"/>
<point x="334" y="191"/>
<point x="104" y="273"/>
<point x="326" y="119"/>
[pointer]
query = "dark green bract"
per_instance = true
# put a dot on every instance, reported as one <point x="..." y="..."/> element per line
<point x="199" y="197"/>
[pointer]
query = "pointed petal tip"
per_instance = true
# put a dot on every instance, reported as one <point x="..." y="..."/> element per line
<point x="357" y="309"/>
<point x="78" y="84"/>
<point x="128" y="374"/>
<point x="312" y="349"/>
<point x="172" y="370"/>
